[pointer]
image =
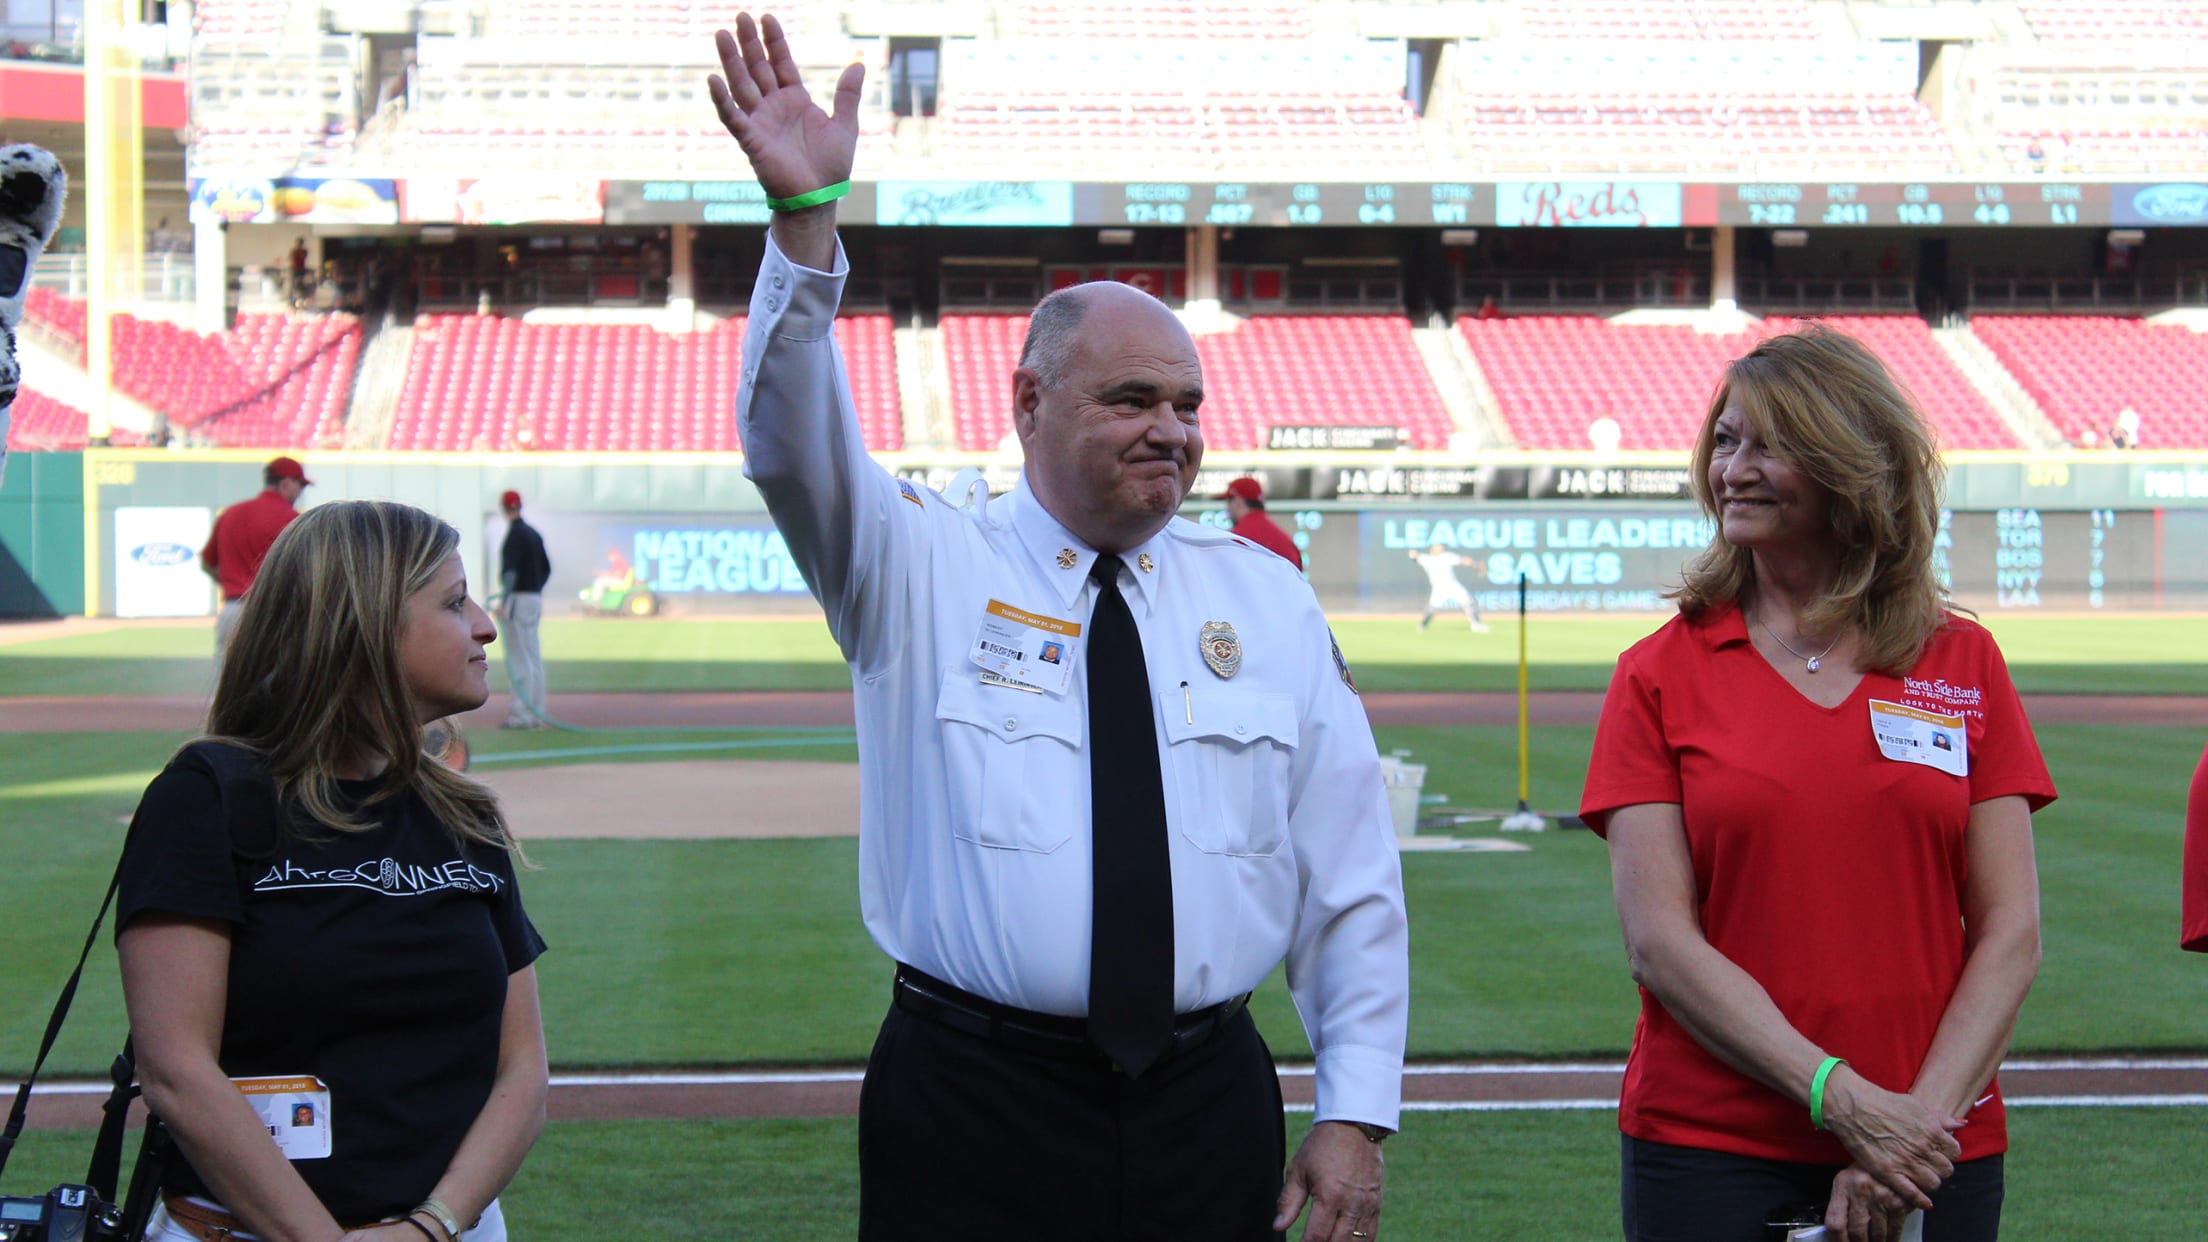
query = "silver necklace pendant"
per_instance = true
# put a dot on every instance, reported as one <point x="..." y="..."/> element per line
<point x="1814" y="662"/>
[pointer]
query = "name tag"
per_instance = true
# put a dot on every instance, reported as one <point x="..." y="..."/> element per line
<point x="1913" y="735"/>
<point x="294" y="1111"/>
<point x="1026" y="649"/>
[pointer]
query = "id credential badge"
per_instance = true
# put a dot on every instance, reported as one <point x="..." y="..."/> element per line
<point x="294" y="1111"/>
<point x="1913" y="735"/>
<point x="1029" y="650"/>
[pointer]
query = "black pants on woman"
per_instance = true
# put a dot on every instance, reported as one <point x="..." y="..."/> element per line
<point x="961" y="1138"/>
<point x="1691" y="1194"/>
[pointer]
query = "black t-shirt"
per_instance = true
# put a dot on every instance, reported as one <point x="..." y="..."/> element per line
<point x="376" y="961"/>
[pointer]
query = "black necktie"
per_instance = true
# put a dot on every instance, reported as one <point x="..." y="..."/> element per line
<point x="1131" y="954"/>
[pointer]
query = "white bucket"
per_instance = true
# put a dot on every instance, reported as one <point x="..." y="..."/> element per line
<point x="1405" y="782"/>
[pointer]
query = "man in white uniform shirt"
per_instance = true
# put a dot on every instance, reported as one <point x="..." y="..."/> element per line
<point x="1067" y="1054"/>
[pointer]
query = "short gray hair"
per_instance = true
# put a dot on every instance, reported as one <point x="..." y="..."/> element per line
<point x="1051" y="332"/>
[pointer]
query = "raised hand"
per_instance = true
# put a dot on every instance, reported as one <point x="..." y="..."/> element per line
<point x="794" y="147"/>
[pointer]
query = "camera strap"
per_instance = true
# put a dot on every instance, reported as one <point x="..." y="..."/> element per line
<point x="21" y="1109"/>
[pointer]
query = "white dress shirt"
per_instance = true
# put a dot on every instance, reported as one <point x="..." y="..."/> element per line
<point x="974" y="804"/>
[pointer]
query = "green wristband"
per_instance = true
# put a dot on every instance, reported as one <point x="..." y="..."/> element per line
<point x="1817" y="1091"/>
<point x="799" y="202"/>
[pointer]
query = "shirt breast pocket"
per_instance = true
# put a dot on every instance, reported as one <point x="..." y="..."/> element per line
<point x="1231" y="755"/>
<point x="1014" y="763"/>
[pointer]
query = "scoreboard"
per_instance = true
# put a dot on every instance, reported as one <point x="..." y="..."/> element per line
<point x="2022" y="558"/>
<point x="1788" y="204"/>
<point x="1231" y="203"/>
<point x="1443" y="204"/>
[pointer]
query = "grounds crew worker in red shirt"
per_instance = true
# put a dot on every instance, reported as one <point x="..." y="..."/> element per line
<point x="241" y="537"/>
<point x="1245" y="499"/>
<point x="1817" y="785"/>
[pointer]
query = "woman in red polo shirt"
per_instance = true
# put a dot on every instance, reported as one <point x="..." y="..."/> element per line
<point x="1817" y="784"/>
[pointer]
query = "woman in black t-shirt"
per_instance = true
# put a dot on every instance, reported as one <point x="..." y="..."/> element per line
<point x="338" y="1018"/>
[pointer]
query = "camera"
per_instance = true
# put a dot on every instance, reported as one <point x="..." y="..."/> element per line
<point x="63" y="1214"/>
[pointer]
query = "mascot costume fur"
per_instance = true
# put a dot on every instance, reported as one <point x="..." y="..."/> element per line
<point x="32" y="185"/>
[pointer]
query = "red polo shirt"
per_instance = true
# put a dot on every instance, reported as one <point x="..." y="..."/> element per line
<point x="240" y="540"/>
<point x="1833" y="875"/>
<point x="2195" y="935"/>
<point x="1267" y="534"/>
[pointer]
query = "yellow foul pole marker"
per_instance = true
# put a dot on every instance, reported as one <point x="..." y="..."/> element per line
<point x="1525" y="761"/>
<point x="1523" y="819"/>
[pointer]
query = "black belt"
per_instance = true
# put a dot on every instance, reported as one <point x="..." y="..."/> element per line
<point x="1051" y="1035"/>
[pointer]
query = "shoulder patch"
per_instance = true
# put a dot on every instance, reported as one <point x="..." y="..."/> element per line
<point x="1341" y="665"/>
<point x="909" y="492"/>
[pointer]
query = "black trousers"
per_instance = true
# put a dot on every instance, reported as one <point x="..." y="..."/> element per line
<point x="1691" y="1194"/>
<point x="961" y="1138"/>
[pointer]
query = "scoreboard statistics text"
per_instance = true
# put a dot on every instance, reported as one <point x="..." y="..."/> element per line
<point x="1840" y="204"/>
<point x="1444" y="204"/>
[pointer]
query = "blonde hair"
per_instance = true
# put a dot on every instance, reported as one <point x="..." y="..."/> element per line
<point x="313" y="676"/>
<point x="1830" y="409"/>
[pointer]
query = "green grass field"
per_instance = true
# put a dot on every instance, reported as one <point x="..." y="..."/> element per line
<point x="751" y="952"/>
<point x="2135" y="654"/>
<point x="717" y="953"/>
<point x="1534" y="1177"/>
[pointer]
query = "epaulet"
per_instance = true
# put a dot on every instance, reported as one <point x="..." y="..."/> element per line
<point x="1202" y="536"/>
<point x="960" y="496"/>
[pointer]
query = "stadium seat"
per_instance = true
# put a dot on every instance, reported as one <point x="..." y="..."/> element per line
<point x="1553" y="375"/>
<point x="39" y="423"/>
<point x="2084" y="369"/>
<point x="1732" y="20"/>
<point x="481" y="382"/>
<point x="2135" y="22"/>
<point x="1232" y="106"/>
<point x="1332" y="370"/>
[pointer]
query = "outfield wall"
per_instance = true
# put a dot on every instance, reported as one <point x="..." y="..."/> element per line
<point x="2083" y="531"/>
<point x="42" y="516"/>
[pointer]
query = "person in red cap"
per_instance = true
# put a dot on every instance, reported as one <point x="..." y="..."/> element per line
<point x="1245" y="499"/>
<point x="523" y="567"/>
<point x="241" y="537"/>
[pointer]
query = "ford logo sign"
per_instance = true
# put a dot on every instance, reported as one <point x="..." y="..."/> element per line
<point x="161" y="555"/>
<point x="2172" y="202"/>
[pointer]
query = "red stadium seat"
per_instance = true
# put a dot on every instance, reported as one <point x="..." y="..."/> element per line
<point x="492" y="383"/>
<point x="1333" y="370"/>
<point x="2084" y="369"/>
<point x="1552" y="376"/>
<point x="40" y="423"/>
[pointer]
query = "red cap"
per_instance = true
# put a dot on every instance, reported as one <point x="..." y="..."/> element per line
<point x="288" y="468"/>
<point x="511" y="500"/>
<point x="1244" y="488"/>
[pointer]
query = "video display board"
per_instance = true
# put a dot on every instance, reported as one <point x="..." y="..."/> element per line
<point x="1616" y="203"/>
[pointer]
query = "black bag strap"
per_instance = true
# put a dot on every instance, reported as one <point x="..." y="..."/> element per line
<point x="252" y="818"/>
<point x="107" y="1149"/>
<point x="22" y="1106"/>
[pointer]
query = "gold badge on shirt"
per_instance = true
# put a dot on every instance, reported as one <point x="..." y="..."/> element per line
<point x="1144" y="563"/>
<point x="1066" y="558"/>
<point x="1222" y="650"/>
